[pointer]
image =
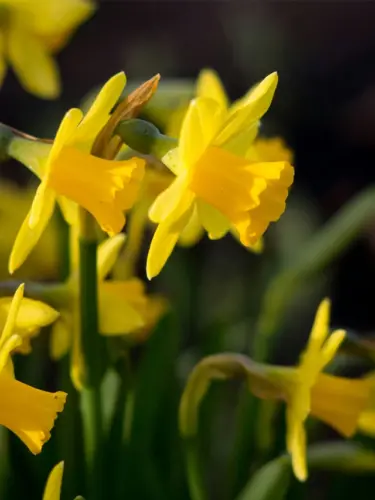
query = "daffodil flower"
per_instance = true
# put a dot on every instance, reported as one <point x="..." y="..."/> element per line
<point x="52" y="490"/>
<point x="31" y="32"/>
<point x="32" y="315"/>
<point x="224" y="189"/>
<point x="71" y="175"/>
<point x="28" y="412"/>
<point x="124" y="308"/>
<point x="260" y="150"/>
<point x="337" y="401"/>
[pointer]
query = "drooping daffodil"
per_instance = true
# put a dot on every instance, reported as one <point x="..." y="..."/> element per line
<point x="215" y="181"/>
<point x="28" y="412"/>
<point x="31" y="32"/>
<point x="73" y="176"/>
<point x="337" y="401"/>
<point x="346" y="405"/>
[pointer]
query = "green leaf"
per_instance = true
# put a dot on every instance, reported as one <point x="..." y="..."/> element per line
<point x="271" y="482"/>
<point x="342" y="456"/>
<point x="310" y="259"/>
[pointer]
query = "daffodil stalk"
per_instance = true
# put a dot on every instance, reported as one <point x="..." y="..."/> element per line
<point x="92" y="349"/>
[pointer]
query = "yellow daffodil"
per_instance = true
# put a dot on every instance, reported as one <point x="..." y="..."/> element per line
<point x="52" y="489"/>
<point x="29" y="413"/>
<point x="31" y="32"/>
<point x="124" y="308"/>
<point x="70" y="174"/>
<point x="337" y="401"/>
<point x="261" y="150"/>
<point x="224" y="189"/>
<point x="32" y="315"/>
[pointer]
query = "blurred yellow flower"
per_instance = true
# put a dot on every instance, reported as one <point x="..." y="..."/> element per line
<point x="337" y="401"/>
<point x="214" y="179"/>
<point x="31" y="32"/>
<point x="124" y="308"/>
<point x="70" y="174"/>
<point x="52" y="489"/>
<point x="29" y="413"/>
<point x="32" y="315"/>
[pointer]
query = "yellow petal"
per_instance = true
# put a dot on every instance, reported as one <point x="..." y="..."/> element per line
<point x="27" y="238"/>
<point x="249" y="110"/>
<point x="64" y="134"/>
<point x="214" y="222"/>
<point x="331" y="346"/>
<point x="7" y="348"/>
<point x="117" y="316"/>
<point x="296" y="439"/>
<point x="34" y="66"/>
<point x="61" y="337"/>
<point x="53" y="486"/>
<point x="259" y="97"/>
<point x="192" y="232"/>
<point x="200" y="125"/>
<point x="31" y="315"/>
<point x="164" y="241"/>
<point x="108" y="252"/>
<point x="43" y="198"/>
<point x="69" y="210"/>
<point x="28" y="412"/>
<point x="168" y="200"/>
<point x="209" y="85"/>
<point x="320" y="328"/>
<point x="172" y="160"/>
<point x="11" y="316"/>
<point x="77" y="361"/>
<point x="239" y="143"/>
<point x="33" y="154"/>
<point x="99" y="112"/>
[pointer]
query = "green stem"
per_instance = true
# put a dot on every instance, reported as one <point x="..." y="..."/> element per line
<point x="92" y="351"/>
<point x="194" y="470"/>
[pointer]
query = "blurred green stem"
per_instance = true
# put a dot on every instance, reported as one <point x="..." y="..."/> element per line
<point x="92" y="354"/>
<point x="194" y="470"/>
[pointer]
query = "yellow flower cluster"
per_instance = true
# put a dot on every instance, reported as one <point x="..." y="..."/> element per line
<point x="222" y="177"/>
<point x="217" y="179"/>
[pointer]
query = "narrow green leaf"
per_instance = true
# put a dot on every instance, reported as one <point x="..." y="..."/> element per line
<point x="271" y="482"/>
<point x="342" y="456"/>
